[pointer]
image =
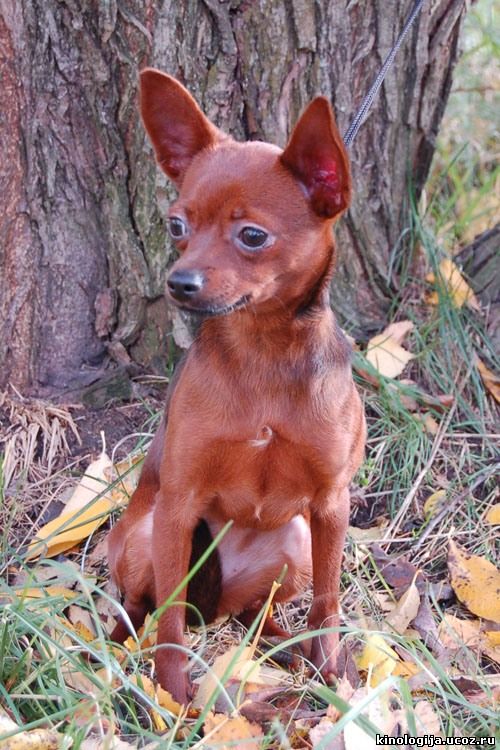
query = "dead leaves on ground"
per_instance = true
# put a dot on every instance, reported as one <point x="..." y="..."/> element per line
<point x="450" y="282"/>
<point x="33" y="739"/>
<point x="260" y="694"/>
<point x="102" y="489"/>
<point x="476" y="582"/>
<point x="490" y="380"/>
<point x="385" y="351"/>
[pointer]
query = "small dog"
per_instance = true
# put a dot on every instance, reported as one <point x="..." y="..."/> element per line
<point x="263" y="424"/>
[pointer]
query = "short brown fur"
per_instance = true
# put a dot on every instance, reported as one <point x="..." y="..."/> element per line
<point x="263" y="424"/>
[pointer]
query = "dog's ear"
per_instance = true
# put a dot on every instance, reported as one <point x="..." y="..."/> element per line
<point x="177" y="127"/>
<point x="318" y="158"/>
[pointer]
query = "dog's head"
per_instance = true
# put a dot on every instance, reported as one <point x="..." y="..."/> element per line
<point x="252" y="222"/>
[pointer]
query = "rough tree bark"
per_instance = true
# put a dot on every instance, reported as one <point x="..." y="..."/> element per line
<point x="82" y="240"/>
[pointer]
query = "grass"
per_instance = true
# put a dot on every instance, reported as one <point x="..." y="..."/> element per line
<point x="54" y="678"/>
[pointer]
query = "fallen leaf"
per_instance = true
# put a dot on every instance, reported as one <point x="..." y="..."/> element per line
<point x="493" y="515"/>
<point x="476" y="582"/>
<point x="343" y="690"/>
<point x="42" y="592"/>
<point x="364" y="536"/>
<point x="405" y="610"/>
<point x="450" y="281"/>
<point x="385" y="353"/>
<point x="235" y="733"/>
<point x="434" y="503"/>
<point x="406" y="669"/>
<point x="126" y="473"/>
<point x="82" y="622"/>
<point x="426" y="627"/>
<point x="165" y="700"/>
<point x="243" y="669"/>
<point x="92" y="483"/>
<point x="426" y="720"/>
<point x="34" y="739"/>
<point x="490" y="380"/>
<point x="377" y="711"/>
<point x="161" y="697"/>
<point x="453" y="632"/>
<point x="481" y="695"/>
<point x="431" y="426"/>
<point x="377" y="658"/>
<point x="319" y="733"/>
<point x="397" y="571"/>
<point x="68" y="529"/>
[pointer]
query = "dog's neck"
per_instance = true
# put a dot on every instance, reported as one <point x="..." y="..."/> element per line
<point x="291" y="345"/>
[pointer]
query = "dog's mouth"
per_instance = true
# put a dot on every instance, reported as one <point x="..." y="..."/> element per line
<point x="214" y="310"/>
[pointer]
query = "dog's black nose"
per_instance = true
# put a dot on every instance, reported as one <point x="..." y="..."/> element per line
<point x="185" y="285"/>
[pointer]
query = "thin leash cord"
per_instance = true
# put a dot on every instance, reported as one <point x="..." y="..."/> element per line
<point x="368" y="100"/>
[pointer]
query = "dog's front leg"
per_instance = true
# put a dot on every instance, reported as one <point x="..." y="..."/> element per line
<point x="172" y="542"/>
<point x="328" y="529"/>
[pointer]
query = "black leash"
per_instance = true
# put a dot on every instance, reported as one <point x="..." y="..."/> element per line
<point x="368" y="100"/>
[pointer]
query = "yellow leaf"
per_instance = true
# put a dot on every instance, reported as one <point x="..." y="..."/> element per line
<point x="493" y="515"/>
<point x="34" y="739"/>
<point x="46" y="591"/>
<point x="242" y="669"/>
<point x="92" y="484"/>
<point x="127" y="473"/>
<point x="451" y="281"/>
<point x="75" y="527"/>
<point x="379" y="657"/>
<point x="165" y="700"/>
<point x="490" y="380"/>
<point x="430" y="424"/>
<point x="434" y="503"/>
<point x="493" y="638"/>
<point x="406" y="669"/>
<point x="476" y="582"/>
<point x="405" y="610"/>
<point x="235" y="733"/>
<point x="146" y="683"/>
<point x="453" y="632"/>
<point x="385" y="352"/>
<point x="144" y="641"/>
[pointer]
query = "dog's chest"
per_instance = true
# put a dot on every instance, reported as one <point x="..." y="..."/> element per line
<point x="261" y="477"/>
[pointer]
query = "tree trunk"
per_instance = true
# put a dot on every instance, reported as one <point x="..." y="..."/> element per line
<point x="83" y="242"/>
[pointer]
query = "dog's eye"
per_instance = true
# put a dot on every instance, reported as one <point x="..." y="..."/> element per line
<point x="253" y="238"/>
<point x="177" y="228"/>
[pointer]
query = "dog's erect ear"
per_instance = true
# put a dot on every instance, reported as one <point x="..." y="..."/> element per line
<point x="177" y="127"/>
<point x="318" y="158"/>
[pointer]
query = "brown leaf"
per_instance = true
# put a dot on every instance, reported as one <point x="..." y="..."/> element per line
<point x="397" y="572"/>
<point x="426" y="627"/>
<point x="476" y="582"/>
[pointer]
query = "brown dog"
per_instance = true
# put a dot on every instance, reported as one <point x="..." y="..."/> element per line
<point x="263" y="424"/>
